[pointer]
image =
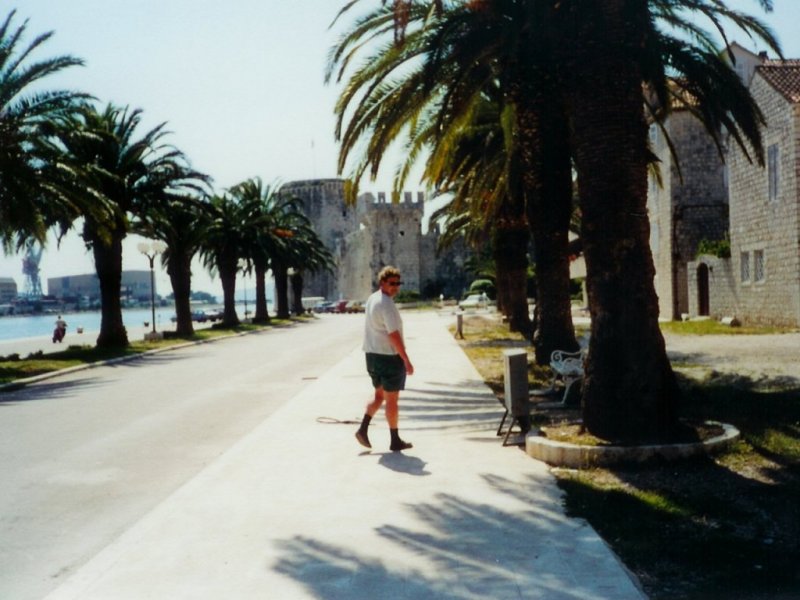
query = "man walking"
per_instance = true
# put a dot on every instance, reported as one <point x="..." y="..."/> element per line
<point x="387" y="360"/>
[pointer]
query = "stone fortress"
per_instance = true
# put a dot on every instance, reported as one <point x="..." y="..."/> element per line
<point x="373" y="233"/>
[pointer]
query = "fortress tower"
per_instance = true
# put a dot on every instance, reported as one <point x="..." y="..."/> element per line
<point x="374" y="233"/>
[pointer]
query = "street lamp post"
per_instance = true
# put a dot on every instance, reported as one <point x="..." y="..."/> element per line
<point x="245" y="267"/>
<point x="151" y="250"/>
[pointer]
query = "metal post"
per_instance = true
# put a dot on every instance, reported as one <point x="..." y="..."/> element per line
<point x="152" y="289"/>
<point x="151" y="250"/>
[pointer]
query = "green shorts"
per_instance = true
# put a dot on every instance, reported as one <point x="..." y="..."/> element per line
<point x="388" y="371"/>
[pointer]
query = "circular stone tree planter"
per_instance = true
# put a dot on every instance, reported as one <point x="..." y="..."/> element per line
<point x="576" y="456"/>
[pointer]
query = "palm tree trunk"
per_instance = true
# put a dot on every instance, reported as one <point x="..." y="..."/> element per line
<point x="629" y="392"/>
<point x="296" y="280"/>
<point x="279" y="272"/>
<point x="262" y="313"/>
<point x="228" y="268"/>
<point x="511" y="262"/>
<point x="180" y="276"/>
<point x="542" y="139"/>
<point x="108" y="264"/>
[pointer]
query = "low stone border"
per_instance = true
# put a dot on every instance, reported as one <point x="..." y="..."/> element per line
<point x="575" y="456"/>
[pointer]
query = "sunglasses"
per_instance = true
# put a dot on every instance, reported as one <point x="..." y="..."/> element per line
<point x="395" y="283"/>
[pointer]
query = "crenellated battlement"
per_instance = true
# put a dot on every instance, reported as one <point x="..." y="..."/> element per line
<point x="393" y="199"/>
<point x="381" y="228"/>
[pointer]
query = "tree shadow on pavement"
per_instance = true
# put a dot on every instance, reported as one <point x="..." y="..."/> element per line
<point x="48" y="391"/>
<point x="460" y="408"/>
<point x="463" y="548"/>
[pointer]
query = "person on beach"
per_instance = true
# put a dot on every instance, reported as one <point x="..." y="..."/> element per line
<point x="387" y="360"/>
<point x="60" y="331"/>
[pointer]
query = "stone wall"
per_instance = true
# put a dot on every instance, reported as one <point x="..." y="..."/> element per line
<point x="723" y="293"/>
<point x="764" y="233"/>
<point x="690" y="206"/>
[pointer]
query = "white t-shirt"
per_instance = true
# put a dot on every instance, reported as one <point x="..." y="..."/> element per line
<point x="382" y="318"/>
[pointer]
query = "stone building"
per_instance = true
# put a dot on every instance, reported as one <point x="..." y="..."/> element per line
<point x="134" y="285"/>
<point x="8" y="289"/>
<point x="375" y="232"/>
<point x="760" y="283"/>
<point x="690" y="205"/>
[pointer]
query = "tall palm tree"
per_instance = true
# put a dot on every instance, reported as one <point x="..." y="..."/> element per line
<point x="180" y="223"/>
<point x="26" y="116"/>
<point x="263" y="207"/>
<point x="482" y="172"/>
<point x="630" y="391"/>
<point x="299" y="249"/>
<point x="106" y="164"/>
<point x="436" y="81"/>
<point x="309" y="256"/>
<point x="224" y="244"/>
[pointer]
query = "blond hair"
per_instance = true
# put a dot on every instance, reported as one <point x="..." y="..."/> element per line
<point x="387" y="272"/>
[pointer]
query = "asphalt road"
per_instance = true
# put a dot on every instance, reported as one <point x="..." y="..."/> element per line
<point x="85" y="455"/>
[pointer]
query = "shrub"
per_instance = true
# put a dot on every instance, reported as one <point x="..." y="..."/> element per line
<point x="718" y="248"/>
<point x="407" y="296"/>
<point x="483" y="285"/>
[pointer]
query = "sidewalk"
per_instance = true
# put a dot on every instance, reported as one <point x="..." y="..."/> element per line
<point x="297" y="509"/>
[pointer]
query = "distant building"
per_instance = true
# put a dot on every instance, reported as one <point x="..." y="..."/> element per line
<point x="135" y="285"/>
<point x="8" y="289"/>
<point x="375" y="232"/>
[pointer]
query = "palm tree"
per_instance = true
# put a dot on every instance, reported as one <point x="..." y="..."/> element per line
<point x="630" y="391"/>
<point x="482" y="172"/>
<point x="310" y="256"/>
<point x="180" y="223"/>
<point x="263" y="207"/>
<point x="105" y="165"/>
<point x="26" y="116"/>
<point x="435" y="82"/>
<point x="300" y="249"/>
<point x="225" y="243"/>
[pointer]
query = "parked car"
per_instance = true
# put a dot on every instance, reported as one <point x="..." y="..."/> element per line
<point x="323" y="307"/>
<point x="340" y="306"/>
<point x="199" y="316"/>
<point x="354" y="306"/>
<point x="473" y="301"/>
<point x="215" y="314"/>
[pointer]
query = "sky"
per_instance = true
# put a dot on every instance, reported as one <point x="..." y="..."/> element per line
<point x="240" y="85"/>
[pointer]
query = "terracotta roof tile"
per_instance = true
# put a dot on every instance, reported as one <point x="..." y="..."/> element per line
<point x="784" y="76"/>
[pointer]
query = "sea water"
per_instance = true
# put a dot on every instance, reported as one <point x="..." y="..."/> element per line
<point x="28" y="326"/>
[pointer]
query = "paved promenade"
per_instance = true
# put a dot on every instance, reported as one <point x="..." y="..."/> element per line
<point x="297" y="509"/>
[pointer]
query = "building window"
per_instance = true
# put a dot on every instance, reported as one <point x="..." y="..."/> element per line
<point x="773" y="171"/>
<point x="745" y="266"/>
<point x="758" y="265"/>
